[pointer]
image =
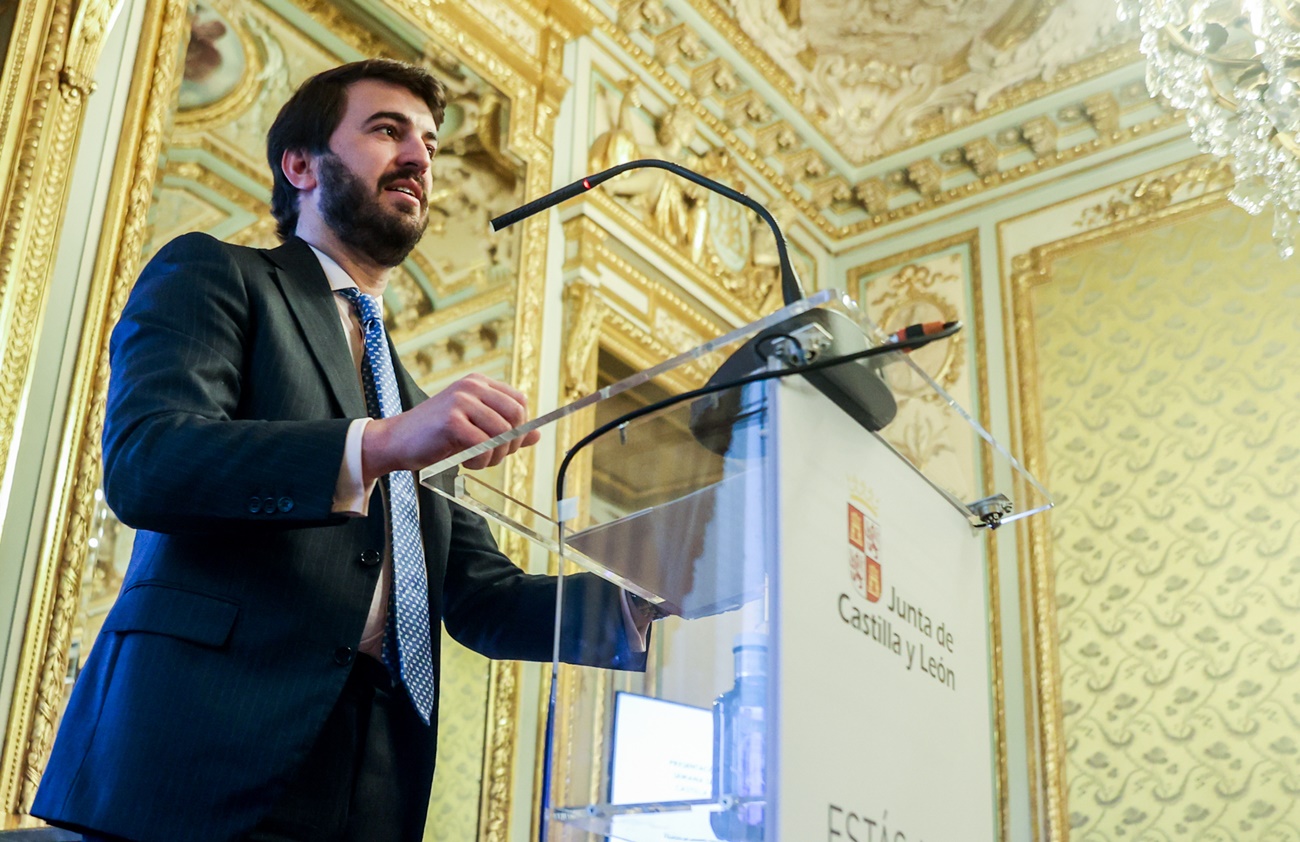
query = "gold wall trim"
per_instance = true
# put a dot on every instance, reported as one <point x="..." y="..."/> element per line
<point x="38" y="164"/>
<point x="645" y="241"/>
<point x="584" y="316"/>
<point x="594" y="254"/>
<point x="39" y="689"/>
<point x="1028" y="270"/>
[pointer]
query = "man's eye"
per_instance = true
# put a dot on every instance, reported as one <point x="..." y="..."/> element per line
<point x="433" y="150"/>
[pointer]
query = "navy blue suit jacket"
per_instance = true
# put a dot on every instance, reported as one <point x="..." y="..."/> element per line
<point x="231" y="392"/>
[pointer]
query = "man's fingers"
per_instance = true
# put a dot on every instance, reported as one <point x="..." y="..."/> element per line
<point x="506" y="402"/>
<point x="493" y="408"/>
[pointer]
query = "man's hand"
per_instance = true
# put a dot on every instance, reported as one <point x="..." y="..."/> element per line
<point x="468" y="412"/>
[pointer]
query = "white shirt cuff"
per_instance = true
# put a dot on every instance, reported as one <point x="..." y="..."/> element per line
<point x="636" y="633"/>
<point x="351" y="494"/>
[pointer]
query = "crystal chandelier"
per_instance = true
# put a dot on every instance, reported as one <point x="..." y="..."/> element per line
<point x="1234" y="67"/>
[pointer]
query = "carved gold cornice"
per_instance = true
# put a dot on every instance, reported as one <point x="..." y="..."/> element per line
<point x="632" y="336"/>
<point x="333" y="18"/>
<point x="439" y="319"/>
<point x="1038" y="590"/>
<point x="1048" y="157"/>
<point x="812" y="187"/>
<point x="201" y="175"/>
<point x="39" y="688"/>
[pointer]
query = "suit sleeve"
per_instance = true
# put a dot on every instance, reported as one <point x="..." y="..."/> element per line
<point x="499" y="611"/>
<point x="178" y="456"/>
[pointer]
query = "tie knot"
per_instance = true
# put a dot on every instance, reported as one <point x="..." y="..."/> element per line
<point x="367" y="308"/>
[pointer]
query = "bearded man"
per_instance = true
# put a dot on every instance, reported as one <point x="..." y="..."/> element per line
<point x="269" y="671"/>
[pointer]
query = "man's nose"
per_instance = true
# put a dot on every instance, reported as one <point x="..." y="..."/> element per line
<point x="415" y="152"/>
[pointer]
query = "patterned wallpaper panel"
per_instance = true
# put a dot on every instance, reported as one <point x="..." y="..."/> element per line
<point x="462" y="726"/>
<point x="1170" y="383"/>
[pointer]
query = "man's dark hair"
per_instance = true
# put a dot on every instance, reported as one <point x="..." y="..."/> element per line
<point x="311" y="115"/>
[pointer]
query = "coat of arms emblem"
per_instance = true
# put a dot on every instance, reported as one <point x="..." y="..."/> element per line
<point x="864" y="554"/>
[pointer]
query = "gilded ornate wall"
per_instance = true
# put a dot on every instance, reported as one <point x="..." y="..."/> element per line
<point x="1170" y="389"/>
<point x="884" y="149"/>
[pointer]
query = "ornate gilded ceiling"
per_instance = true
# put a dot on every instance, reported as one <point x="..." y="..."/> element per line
<point x="876" y="76"/>
<point x="856" y="114"/>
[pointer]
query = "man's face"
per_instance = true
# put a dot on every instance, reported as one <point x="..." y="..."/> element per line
<point x="375" y="182"/>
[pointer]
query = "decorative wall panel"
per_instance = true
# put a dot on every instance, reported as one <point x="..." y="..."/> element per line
<point x="933" y="285"/>
<point x="1170" y="398"/>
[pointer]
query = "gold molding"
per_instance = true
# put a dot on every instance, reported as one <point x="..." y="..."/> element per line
<point x="39" y="689"/>
<point x="38" y="165"/>
<point x="637" y="344"/>
<point x="584" y="316"/>
<point x="646" y="241"/>
<point x="1028" y="270"/>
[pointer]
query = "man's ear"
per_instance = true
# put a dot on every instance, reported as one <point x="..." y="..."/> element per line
<point x="300" y="168"/>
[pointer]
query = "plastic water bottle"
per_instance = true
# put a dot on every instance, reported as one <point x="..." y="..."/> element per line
<point x="739" y="744"/>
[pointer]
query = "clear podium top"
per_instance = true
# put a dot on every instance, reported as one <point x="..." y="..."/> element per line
<point x="669" y="430"/>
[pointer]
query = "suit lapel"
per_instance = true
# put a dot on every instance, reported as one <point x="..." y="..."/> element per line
<point x="307" y="291"/>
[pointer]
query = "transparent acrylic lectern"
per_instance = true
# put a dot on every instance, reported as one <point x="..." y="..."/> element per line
<point x="821" y="668"/>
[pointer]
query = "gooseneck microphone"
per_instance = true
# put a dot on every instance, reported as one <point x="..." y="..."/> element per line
<point x="791" y="289"/>
<point x="857" y="387"/>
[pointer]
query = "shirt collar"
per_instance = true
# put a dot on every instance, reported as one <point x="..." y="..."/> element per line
<point x="337" y="276"/>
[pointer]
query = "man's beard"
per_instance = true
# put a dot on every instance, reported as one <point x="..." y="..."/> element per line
<point x="355" y="214"/>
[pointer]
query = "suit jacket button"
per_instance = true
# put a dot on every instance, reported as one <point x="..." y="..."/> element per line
<point x="285" y="504"/>
<point x="268" y="505"/>
<point x="255" y="504"/>
<point x="371" y="557"/>
<point x="344" y="655"/>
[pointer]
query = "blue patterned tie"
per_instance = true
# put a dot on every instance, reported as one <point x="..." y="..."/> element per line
<point x="408" y="612"/>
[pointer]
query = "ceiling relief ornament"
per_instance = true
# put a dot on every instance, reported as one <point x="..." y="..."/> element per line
<point x="790" y="152"/>
<point x="853" y="64"/>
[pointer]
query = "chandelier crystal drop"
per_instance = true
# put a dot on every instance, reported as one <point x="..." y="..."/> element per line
<point x="1234" y="68"/>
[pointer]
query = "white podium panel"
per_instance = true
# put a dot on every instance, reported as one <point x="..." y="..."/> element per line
<point x="884" y="714"/>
